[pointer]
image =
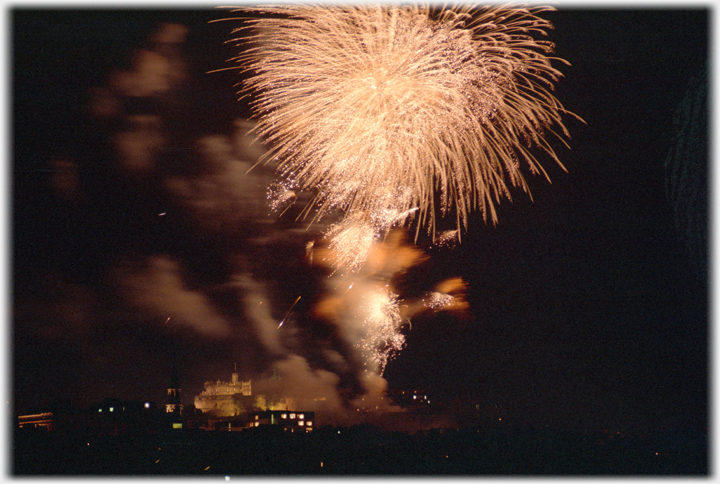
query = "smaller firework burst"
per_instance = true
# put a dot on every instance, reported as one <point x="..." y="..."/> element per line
<point x="281" y="196"/>
<point x="447" y="239"/>
<point x="438" y="300"/>
<point x="382" y="325"/>
<point x="350" y="243"/>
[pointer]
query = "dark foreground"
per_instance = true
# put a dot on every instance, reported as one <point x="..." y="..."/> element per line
<point x="361" y="450"/>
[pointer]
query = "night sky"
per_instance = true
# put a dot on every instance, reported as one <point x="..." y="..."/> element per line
<point x="588" y="305"/>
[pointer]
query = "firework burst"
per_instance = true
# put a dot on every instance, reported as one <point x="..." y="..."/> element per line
<point x="397" y="114"/>
<point x="388" y="109"/>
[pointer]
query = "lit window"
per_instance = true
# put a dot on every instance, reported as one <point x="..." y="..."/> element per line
<point x="309" y="423"/>
<point x="301" y="422"/>
<point x="257" y="417"/>
<point x="99" y="409"/>
<point x="283" y="415"/>
<point x="257" y="424"/>
<point x="301" y="416"/>
<point x="292" y="415"/>
<point x="112" y="409"/>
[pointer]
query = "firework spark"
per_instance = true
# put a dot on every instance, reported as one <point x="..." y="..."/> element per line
<point x="385" y="109"/>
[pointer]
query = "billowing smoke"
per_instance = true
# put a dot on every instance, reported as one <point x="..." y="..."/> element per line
<point x="157" y="289"/>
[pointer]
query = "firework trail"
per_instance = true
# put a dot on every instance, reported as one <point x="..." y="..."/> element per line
<point x="282" y="321"/>
<point x="387" y="109"/>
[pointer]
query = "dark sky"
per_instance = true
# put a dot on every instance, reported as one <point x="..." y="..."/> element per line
<point x="588" y="305"/>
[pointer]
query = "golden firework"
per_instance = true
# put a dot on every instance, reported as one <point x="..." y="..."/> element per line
<point x="384" y="109"/>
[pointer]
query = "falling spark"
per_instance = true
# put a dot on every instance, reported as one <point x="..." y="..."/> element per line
<point x="389" y="108"/>
<point x="288" y="312"/>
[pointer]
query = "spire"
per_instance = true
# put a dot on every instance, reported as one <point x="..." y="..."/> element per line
<point x="174" y="381"/>
<point x="235" y="376"/>
<point x="174" y="399"/>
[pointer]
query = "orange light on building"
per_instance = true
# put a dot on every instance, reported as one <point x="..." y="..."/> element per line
<point x="37" y="420"/>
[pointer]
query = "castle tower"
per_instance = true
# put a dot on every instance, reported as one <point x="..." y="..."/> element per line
<point x="174" y="405"/>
